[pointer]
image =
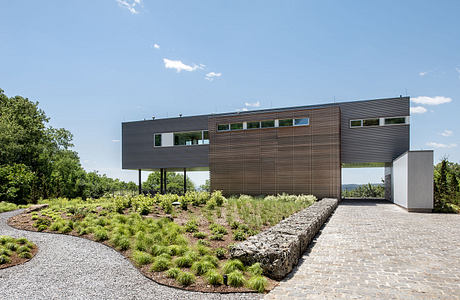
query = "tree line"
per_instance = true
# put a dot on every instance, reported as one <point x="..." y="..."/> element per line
<point x="37" y="160"/>
<point x="446" y="186"/>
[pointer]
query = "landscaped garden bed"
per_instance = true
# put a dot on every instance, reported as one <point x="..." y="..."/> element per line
<point x="15" y="251"/>
<point x="180" y="241"/>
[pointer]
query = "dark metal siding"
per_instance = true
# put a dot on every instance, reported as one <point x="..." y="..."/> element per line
<point x="138" y="151"/>
<point x="374" y="144"/>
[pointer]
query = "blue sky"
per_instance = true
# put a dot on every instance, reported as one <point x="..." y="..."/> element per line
<point x="95" y="64"/>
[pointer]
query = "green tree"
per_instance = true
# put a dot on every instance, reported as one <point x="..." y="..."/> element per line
<point x="174" y="183"/>
<point x="206" y="186"/>
<point x="16" y="183"/>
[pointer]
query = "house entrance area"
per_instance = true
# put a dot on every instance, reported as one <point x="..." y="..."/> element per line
<point x="364" y="181"/>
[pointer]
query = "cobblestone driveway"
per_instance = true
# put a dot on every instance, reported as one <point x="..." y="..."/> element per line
<point x="378" y="250"/>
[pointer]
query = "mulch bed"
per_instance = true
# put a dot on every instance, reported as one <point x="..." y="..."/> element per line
<point x="16" y="260"/>
<point x="24" y="221"/>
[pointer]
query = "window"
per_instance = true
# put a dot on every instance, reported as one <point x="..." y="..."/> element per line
<point x="223" y="127"/>
<point x="188" y="138"/>
<point x="284" y="123"/>
<point x="371" y="122"/>
<point x="302" y="122"/>
<point x="356" y="123"/>
<point x="205" y="137"/>
<point x="394" y="121"/>
<point x="157" y="140"/>
<point x="253" y="125"/>
<point x="236" y="126"/>
<point x="267" y="124"/>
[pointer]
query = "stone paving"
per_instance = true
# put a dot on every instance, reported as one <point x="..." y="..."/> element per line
<point x="377" y="250"/>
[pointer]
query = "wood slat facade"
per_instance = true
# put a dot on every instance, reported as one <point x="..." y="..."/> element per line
<point x="294" y="160"/>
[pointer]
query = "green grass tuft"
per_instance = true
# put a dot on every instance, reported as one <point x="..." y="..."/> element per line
<point x="257" y="283"/>
<point x="236" y="278"/>
<point x="214" y="278"/>
<point x="142" y="258"/>
<point x="201" y="267"/>
<point x="160" y="264"/>
<point x="185" y="278"/>
<point x="173" y="272"/>
<point x="255" y="269"/>
<point x="232" y="265"/>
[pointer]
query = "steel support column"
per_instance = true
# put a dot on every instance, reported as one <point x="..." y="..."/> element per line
<point x="140" y="182"/>
<point x="185" y="181"/>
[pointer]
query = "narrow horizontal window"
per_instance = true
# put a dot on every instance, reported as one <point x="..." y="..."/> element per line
<point x="267" y="124"/>
<point x="236" y="126"/>
<point x="223" y="127"/>
<point x="253" y="125"/>
<point x="371" y="122"/>
<point x="394" y="121"/>
<point x="285" y="122"/>
<point x="187" y="138"/>
<point x="356" y="123"/>
<point x="157" y="140"/>
<point x="302" y="122"/>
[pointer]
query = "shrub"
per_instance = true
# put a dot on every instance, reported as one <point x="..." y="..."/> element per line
<point x="217" y="229"/>
<point x="217" y="198"/>
<point x="236" y="278"/>
<point x="220" y="252"/>
<point x="201" y="267"/>
<point x="214" y="278"/>
<point x="191" y="226"/>
<point x="42" y="221"/>
<point x="67" y="229"/>
<point x="234" y="225"/>
<point x="255" y="269"/>
<point x="41" y="228"/>
<point x="185" y="278"/>
<point x="25" y="255"/>
<point x="239" y="235"/>
<point x="56" y="226"/>
<point x="100" y="234"/>
<point x="4" y="259"/>
<point x="199" y="235"/>
<point x="217" y="237"/>
<point x="160" y="264"/>
<point x="232" y="265"/>
<point x="173" y="272"/>
<point x="211" y="204"/>
<point x="257" y="283"/>
<point x="142" y="258"/>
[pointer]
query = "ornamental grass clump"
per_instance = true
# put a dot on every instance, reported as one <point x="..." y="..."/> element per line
<point x="257" y="283"/>
<point x="4" y="259"/>
<point x="236" y="279"/>
<point x="199" y="235"/>
<point x="100" y="234"/>
<point x="173" y="272"/>
<point x="214" y="278"/>
<point x="191" y="226"/>
<point x="160" y="264"/>
<point x="201" y="267"/>
<point x="232" y="265"/>
<point x="220" y="252"/>
<point x="142" y="258"/>
<point x="255" y="269"/>
<point x="185" y="278"/>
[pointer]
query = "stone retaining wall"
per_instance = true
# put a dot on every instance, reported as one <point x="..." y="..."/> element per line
<point x="279" y="248"/>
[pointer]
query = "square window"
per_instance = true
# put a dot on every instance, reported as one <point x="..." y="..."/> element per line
<point x="223" y="127"/>
<point x="253" y="125"/>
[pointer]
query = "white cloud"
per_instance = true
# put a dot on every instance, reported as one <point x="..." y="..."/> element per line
<point x="431" y="100"/>
<point x="438" y="145"/>
<point x="254" y="104"/>
<point x="211" y="75"/>
<point x="447" y="133"/>
<point x="115" y="141"/>
<point x="179" y="65"/>
<point x="422" y="73"/>
<point x="156" y="46"/>
<point x="130" y="5"/>
<point x="458" y="71"/>
<point x="418" y="110"/>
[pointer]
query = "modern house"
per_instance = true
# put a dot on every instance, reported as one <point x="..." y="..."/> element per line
<point x="296" y="150"/>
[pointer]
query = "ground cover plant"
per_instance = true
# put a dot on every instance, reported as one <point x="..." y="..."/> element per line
<point x="15" y="251"/>
<point x="181" y="241"/>
<point x="8" y="206"/>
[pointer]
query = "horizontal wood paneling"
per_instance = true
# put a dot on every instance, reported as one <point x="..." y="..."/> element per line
<point x="295" y="160"/>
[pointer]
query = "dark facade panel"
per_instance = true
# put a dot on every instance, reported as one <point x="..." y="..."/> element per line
<point x="138" y="151"/>
<point x="374" y="144"/>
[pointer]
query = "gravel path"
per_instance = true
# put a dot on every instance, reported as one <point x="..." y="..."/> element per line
<point x="68" y="267"/>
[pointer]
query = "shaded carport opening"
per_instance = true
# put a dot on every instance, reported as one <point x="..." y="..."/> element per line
<point x="363" y="181"/>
